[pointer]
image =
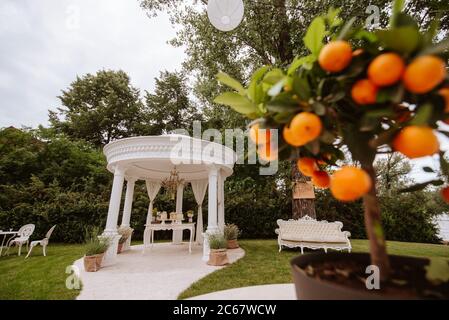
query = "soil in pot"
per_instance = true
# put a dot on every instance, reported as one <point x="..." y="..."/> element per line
<point x="343" y="276"/>
<point x="218" y="257"/>
<point x="90" y="263"/>
<point x="233" y="244"/>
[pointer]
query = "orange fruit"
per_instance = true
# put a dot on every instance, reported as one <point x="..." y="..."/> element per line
<point x="258" y="135"/>
<point x="350" y="183"/>
<point x="291" y="139"/>
<point x="386" y="69"/>
<point x="321" y="179"/>
<point x="416" y="142"/>
<point x="307" y="166"/>
<point x="424" y="73"/>
<point x="445" y="194"/>
<point x="335" y="56"/>
<point x="306" y="127"/>
<point x="265" y="153"/>
<point x="364" y="92"/>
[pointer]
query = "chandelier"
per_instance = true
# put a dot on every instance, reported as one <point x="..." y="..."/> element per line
<point x="172" y="182"/>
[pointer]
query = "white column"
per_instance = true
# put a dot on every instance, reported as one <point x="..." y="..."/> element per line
<point x="110" y="231"/>
<point x="130" y="183"/>
<point x="221" y="215"/>
<point x="177" y="234"/>
<point x="212" y="226"/>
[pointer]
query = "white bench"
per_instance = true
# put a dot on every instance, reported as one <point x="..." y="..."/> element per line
<point x="310" y="233"/>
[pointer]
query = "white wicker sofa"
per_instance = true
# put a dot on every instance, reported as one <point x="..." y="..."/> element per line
<point x="310" y="233"/>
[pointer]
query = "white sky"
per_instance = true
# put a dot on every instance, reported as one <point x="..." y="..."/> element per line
<point x="46" y="43"/>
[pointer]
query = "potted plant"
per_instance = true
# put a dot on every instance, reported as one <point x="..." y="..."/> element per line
<point x="231" y="233"/>
<point x="190" y="215"/>
<point x="94" y="252"/>
<point x="125" y="233"/>
<point x="358" y="94"/>
<point x="217" y="245"/>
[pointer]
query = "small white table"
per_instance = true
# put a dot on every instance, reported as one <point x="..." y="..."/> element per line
<point x="5" y="234"/>
<point x="148" y="235"/>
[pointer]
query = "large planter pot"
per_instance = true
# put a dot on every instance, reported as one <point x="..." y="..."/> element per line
<point x="120" y="247"/>
<point x="311" y="287"/>
<point x="218" y="257"/>
<point x="92" y="263"/>
<point x="233" y="244"/>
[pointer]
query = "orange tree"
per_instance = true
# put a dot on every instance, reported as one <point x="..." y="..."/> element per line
<point x="358" y="92"/>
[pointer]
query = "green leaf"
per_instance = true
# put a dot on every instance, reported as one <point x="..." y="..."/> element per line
<point x="315" y="34"/>
<point x="437" y="271"/>
<point x="402" y="39"/>
<point x="444" y="165"/>
<point x="422" y="115"/>
<point x="273" y="76"/>
<point x="237" y="102"/>
<point x="333" y="18"/>
<point x="302" y="88"/>
<point x="346" y="30"/>
<point x="229" y="81"/>
<point x="255" y="90"/>
<point x="398" y="6"/>
<point x="298" y="62"/>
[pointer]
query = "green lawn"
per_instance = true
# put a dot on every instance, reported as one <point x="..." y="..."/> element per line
<point x="41" y="277"/>
<point x="263" y="264"/>
<point x="38" y="277"/>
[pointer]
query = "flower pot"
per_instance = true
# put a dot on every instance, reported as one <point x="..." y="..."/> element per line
<point x="233" y="244"/>
<point x="120" y="247"/>
<point x="90" y="263"/>
<point x="99" y="260"/>
<point x="315" y="280"/>
<point x="218" y="257"/>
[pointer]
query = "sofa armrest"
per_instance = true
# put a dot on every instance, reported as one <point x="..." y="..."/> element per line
<point x="276" y="231"/>
<point x="347" y="233"/>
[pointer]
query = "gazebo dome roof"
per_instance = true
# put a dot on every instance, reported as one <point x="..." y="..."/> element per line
<point x="154" y="157"/>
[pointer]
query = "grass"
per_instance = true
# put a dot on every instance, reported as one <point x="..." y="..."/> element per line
<point x="38" y="277"/>
<point x="263" y="264"/>
<point x="43" y="278"/>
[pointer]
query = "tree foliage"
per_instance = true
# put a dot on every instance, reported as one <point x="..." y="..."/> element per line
<point x="99" y="108"/>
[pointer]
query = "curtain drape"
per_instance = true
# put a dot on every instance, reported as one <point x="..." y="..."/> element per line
<point x="199" y="191"/>
<point x="153" y="188"/>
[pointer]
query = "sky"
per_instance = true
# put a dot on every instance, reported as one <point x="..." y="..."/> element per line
<point x="45" y="44"/>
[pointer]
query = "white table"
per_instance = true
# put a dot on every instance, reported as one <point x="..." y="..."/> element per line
<point x="5" y="234"/>
<point x="148" y="235"/>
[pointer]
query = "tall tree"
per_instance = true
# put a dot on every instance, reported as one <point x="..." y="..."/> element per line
<point x="99" y="108"/>
<point x="169" y="107"/>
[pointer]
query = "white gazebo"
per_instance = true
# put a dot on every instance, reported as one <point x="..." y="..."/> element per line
<point x="203" y="164"/>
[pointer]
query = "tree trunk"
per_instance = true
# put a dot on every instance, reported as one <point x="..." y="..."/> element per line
<point x="301" y="207"/>
<point x="374" y="230"/>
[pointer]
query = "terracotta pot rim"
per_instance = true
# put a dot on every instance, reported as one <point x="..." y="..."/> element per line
<point x="335" y="256"/>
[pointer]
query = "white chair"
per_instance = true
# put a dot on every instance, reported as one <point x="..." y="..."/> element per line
<point x="23" y="237"/>
<point x="43" y="242"/>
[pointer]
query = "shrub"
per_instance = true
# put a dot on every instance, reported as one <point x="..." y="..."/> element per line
<point x="231" y="231"/>
<point x="125" y="233"/>
<point x="217" y="241"/>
